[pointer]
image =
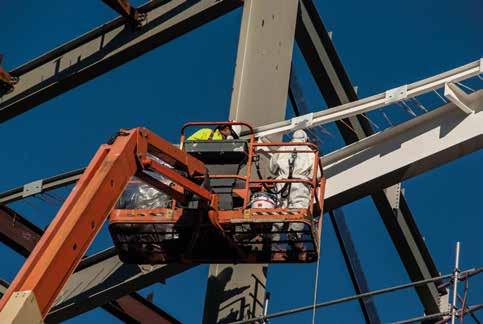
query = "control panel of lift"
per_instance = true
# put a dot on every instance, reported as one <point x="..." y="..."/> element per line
<point x="243" y="221"/>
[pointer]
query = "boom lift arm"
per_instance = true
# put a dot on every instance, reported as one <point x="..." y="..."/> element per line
<point x="66" y="240"/>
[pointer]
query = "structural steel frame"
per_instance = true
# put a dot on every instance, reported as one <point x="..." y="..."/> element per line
<point x="336" y="87"/>
<point x="127" y="279"/>
<point x="104" y="49"/>
<point x="342" y="232"/>
<point x="113" y="44"/>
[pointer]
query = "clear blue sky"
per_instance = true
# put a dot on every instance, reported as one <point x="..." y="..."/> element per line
<point x="382" y="45"/>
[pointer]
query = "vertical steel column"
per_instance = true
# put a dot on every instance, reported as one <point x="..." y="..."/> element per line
<point x="237" y="292"/>
<point x="234" y="292"/>
<point x="263" y="61"/>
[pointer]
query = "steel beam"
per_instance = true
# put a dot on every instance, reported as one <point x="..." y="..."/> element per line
<point x="263" y="61"/>
<point x="381" y="100"/>
<point x="104" y="49"/>
<point x="354" y="266"/>
<point x="234" y="292"/>
<point x="107" y="280"/>
<point x="447" y="132"/>
<point x="342" y="232"/>
<point x="260" y="86"/>
<point x="124" y="8"/>
<point x="22" y="236"/>
<point x="401" y="152"/>
<point x="51" y="183"/>
<point x="141" y="310"/>
<point x="336" y="87"/>
<point x="17" y="232"/>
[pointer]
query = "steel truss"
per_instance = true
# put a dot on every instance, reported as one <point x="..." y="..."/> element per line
<point x="116" y="43"/>
<point x="336" y="197"/>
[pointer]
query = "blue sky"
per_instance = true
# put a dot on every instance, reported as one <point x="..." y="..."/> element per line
<point x="382" y="45"/>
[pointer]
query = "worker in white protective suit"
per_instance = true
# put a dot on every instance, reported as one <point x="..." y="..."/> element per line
<point x="294" y="195"/>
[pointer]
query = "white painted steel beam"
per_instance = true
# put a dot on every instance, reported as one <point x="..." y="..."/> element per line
<point x="403" y="151"/>
<point x="457" y="96"/>
<point x="371" y="103"/>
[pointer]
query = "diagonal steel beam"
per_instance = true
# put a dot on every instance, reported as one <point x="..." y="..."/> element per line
<point x="17" y="232"/>
<point x="104" y="49"/>
<point x="336" y="87"/>
<point x="21" y="235"/>
<point x="342" y="232"/>
<point x="106" y="280"/>
<point x="102" y="278"/>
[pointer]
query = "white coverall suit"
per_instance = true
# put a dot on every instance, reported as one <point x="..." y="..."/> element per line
<point x="299" y="194"/>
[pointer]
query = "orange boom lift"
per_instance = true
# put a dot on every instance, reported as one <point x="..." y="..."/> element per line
<point x="210" y="219"/>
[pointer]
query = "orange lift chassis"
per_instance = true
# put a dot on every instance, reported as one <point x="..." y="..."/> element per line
<point x="210" y="218"/>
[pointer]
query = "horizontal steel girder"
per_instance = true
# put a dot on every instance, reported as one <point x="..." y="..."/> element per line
<point x="104" y="49"/>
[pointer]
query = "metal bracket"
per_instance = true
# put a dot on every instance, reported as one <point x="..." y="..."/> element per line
<point x="393" y="194"/>
<point x="301" y="122"/>
<point x="124" y="8"/>
<point x="396" y="94"/>
<point x="32" y="188"/>
<point x="444" y="305"/>
<point x="458" y="97"/>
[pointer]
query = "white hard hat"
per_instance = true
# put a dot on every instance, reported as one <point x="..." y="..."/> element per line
<point x="236" y="129"/>
<point x="299" y="136"/>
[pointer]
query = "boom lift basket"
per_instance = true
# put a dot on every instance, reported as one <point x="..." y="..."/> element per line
<point x="235" y="232"/>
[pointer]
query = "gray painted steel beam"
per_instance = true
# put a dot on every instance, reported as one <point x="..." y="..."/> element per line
<point x="234" y="292"/>
<point x="22" y="236"/>
<point x="260" y="86"/>
<point x="447" y="133"/>
<point x="335" y="86"/>
<point x="104" y="49"/>
<point x="263" y="61"/>
<point x="51" y="183"/>
<point x="104" y="281"/>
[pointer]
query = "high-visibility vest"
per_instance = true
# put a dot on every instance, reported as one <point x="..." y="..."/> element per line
<point x="206" y="134"/>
